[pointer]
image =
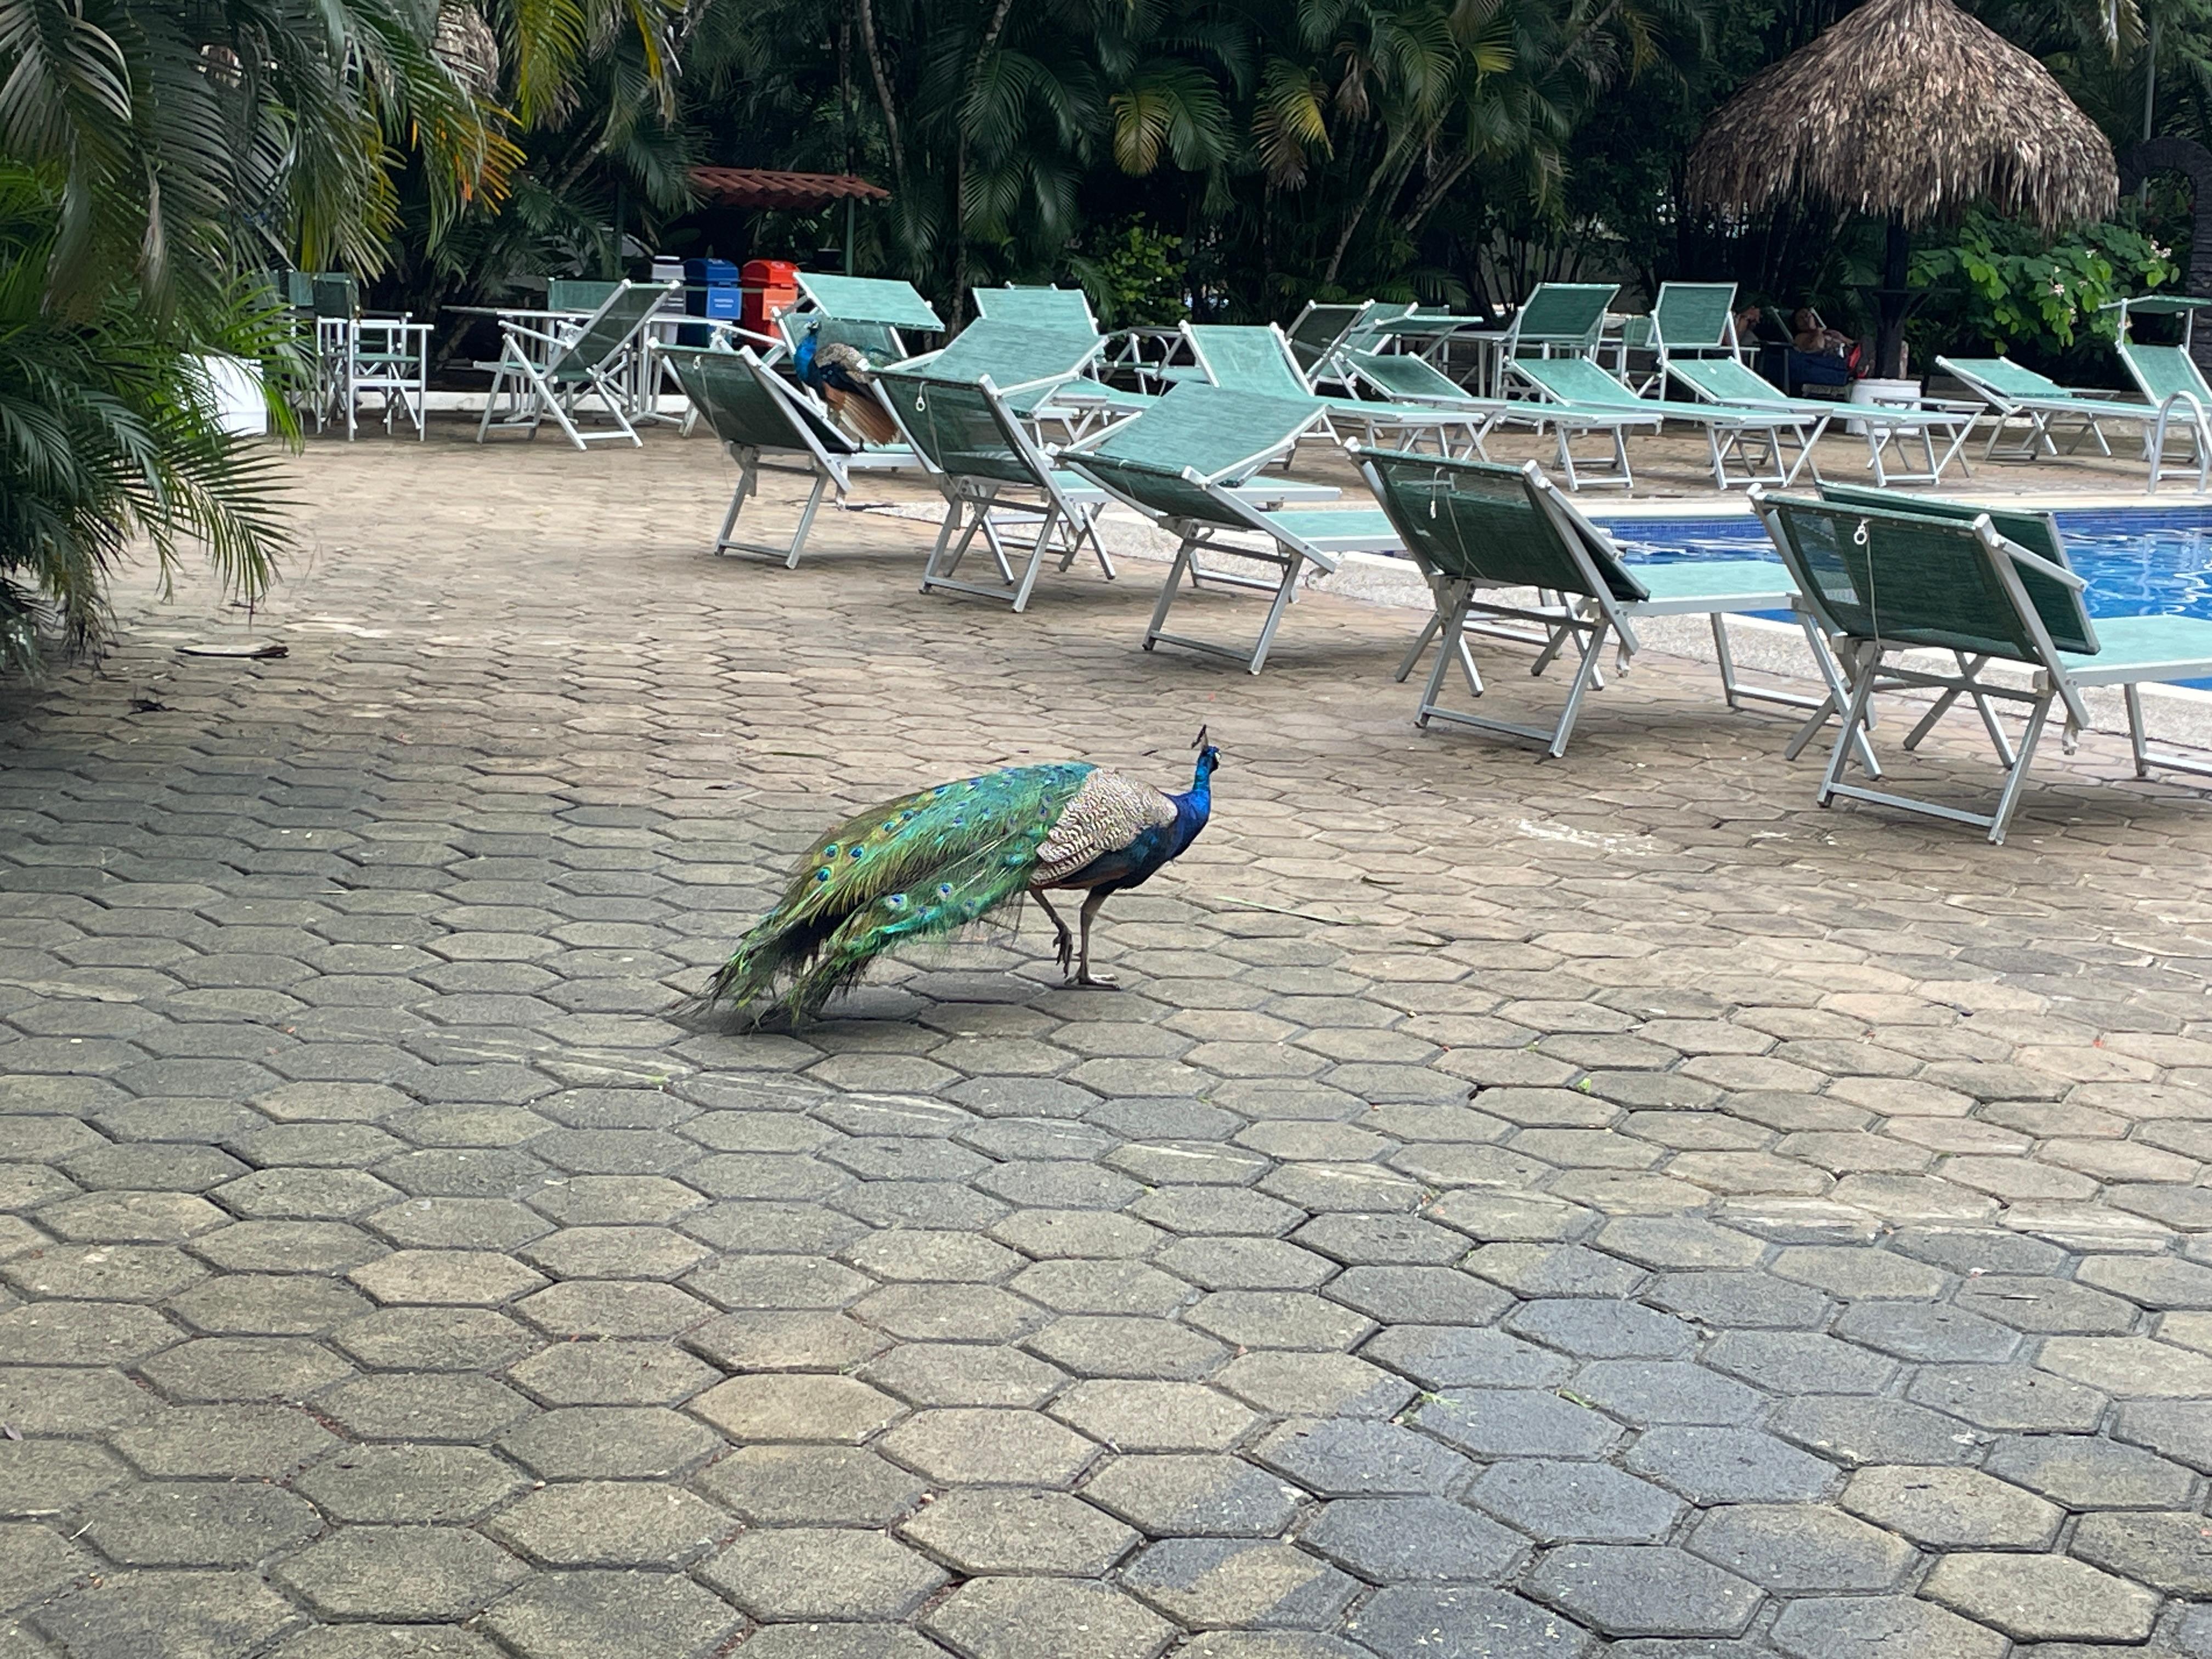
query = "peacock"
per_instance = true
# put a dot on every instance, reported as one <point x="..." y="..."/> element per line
<point x="931" y="863"/>
<point x="838" y="374"/>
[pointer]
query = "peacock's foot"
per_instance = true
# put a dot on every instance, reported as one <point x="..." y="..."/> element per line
<point x="1066" y="951"/>
<point x="1087" y="980"/>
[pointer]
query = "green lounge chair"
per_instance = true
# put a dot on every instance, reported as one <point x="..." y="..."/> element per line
<point x="1321" y="335"/>
<point x="1727" y="381"/>
<point x="1585" y="398"/>
<point x="1889" y="580"/>
<point x="998" y="484"/>
<point x="549" y="372"/>
<point x="2017" y="393"/>
<point x="756" y="414"/>
<point x="582" y="294"/>
<point x="1479" y="529"/>
<point x="1560" y="319"/>
<point x="1260" y="361"/>
<point x="1026" y="361"/>
<point x="1036" y="307"/>
<point x="1687" y="320"/>
<point x="2171" y="380"/>
<point x="871" y="314"/>
<point x="1181" y="463"/>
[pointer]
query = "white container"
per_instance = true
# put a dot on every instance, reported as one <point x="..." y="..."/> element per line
<point x="1898" y="394"/>
<point x="240" y="410"/>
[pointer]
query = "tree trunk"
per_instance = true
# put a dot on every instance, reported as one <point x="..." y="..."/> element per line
<point x="873" y="44"/>
<point x="1891" y="303"/>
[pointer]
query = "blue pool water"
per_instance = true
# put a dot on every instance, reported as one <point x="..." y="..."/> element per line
<point x="2139" y="561"/>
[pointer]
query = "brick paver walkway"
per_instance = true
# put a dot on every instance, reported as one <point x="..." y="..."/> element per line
<point x="1514" y="1210"/>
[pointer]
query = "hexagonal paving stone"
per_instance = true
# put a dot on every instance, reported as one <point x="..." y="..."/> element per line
<point x="406" y="1574"/>
<point x="268" y="1304"/>
<point x="1457" y="1622"/>
<point x="1643" y="1589"/>
<point x="1558" y="1502"/>
<point x="2043" y="1598"/>
<point x="35" y="1561"/>
<point x="1729" y="1465"/>
<point x="460" y="1278"/>
<point x="998" y="1448"/>
<point x="610" y="1442"/>
<point x="1233" y="1583"/>
<point x="1953" y="1509"/>
<point x="1517" y="1423"/>
<point x="46" y="1477"/>
<point x="757" y="1408"/>
<point x="834" y="1573"/>
<point x="1848" y="1627"/>
<point x="610" y="1524"/>
<point x="241" y="1368"/>
<point x="1140" y="1349"/>
<point x="611" y="1615"/>
<point x="2010" y="1397"/>
<point x="434" y="1339"/>
<point x="197" y="1524"/>
<point x="1168" y="1496"/>
<point x="611" y="1374"/>
<point x="1047" y="1618"/>
<point x="1389" y="1541"/>
<point x="1802" y="1547"/>
<point x="1341" y="1457"/>
<point x="82" y="1333"/>
<point x="424" y="1406"/>
<point x="2171" y="1552"/>
<point x="2084" y="1472"/>
<point x="978" y="1531"/>
<point x="811" y="1486"/>
<point x="1141" y="1417"/>
<point x="394" y="1486"/>
<point x="168" y="1615"/>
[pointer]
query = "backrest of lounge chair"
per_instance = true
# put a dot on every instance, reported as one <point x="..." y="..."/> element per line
<point x="1369" y="329"/>
<point x="739" y="409"/>
<point x="2164" y="371"/>
<point x="1905" y="578"/>
<point x="1036" y="307"/>
<point x="1562" y="313"/>
<point x="1484" y="521"/>
<point x="886" y="300"/>
<point x="298" y="287"/>
<point x="1014" y="353"/>
<point x="961" y="428"/>
<point x="1401" y="375"/>
<point x="2004" y="377"/>
<point x="2036" y="532"/>
<point x="1694" y="317"/>
<point x="1247" y="359"/>
<point x="1725" y="379"/>
<point x="1577" y="381"/>
<point x="1315" y="332"/>
<point x="1216" y="432"/>
<point x="1159" y="489"/>
<point x="577" y="294"/>
<point x="335" y="295"/>
<point x="611" y="328"/>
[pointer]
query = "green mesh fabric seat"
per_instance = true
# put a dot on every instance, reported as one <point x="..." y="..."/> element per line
<point x="871" y="314"/>
<point x="2016" y="393"/>
<point x="1192" y="463"/>
<point x="1560" y="317"/>
<point x="1901" y="583"/>
<point x="1001" y="487"/>
<point x="2171" y="381"/>
<point x="1687" y="320"/>
<point x="1028" y="362"/>
<point x="1261" y="362"/>
<point x="1036" y="307"/>
<point x="1730" y="380"/>
<point x="582" y="293"/>
<point x="1501" y="546"/>
<point x="757" y="416"/>
<point x="547" y="374"/>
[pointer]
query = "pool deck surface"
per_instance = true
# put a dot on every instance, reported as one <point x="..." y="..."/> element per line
<point x="1511" y="1210"/>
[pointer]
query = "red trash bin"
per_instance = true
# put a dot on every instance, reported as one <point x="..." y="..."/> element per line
<point x="769" y="286"/>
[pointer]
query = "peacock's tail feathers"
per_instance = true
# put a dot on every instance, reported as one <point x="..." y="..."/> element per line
<point x="919" y="867"/>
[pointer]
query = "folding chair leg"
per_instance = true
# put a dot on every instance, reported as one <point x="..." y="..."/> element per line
<point x="2018" y="780"/>
<point x="1725" y="658"/>
<point x="1420" y="644"/>
<point x="1290" y="567"/>
<point x="1584" y="673"/>
<point x="1037" y="559"/>
<point x="1854" y="712"/>
<point x="748" y="481"/>
<point x="1450" y="618"/>
<point x="1169" y="589"/>
<point x="806" y="519"/>
<point x="1838" y="696"/>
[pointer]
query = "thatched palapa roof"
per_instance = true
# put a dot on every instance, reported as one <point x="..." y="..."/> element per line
<point x="1909" y="108"/>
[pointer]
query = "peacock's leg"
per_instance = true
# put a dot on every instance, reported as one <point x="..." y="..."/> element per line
<point x="1065" y="942"/>
<point x="1083" y="973"/>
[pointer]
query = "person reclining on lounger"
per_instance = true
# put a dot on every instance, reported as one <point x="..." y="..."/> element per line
<point x="1819" y="354"/>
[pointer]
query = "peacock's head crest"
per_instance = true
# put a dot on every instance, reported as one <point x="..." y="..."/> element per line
<point x="1209" y="757"/>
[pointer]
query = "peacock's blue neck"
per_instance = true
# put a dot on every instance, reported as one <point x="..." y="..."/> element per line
<point x="1193" y="807"/>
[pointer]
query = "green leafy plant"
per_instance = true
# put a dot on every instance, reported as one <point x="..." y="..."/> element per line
<point x="109" y="437"/>
<point x="2000" y="286"/>
<point x="1134" y="277"/>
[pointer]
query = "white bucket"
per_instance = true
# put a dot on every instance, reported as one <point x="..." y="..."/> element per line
<point x="240" y="410"/>
<point x="1904" y="394"/>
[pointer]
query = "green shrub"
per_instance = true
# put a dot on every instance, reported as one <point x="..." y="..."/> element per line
<point x="1134" y="277"/>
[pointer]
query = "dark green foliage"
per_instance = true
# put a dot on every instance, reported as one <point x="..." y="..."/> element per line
<point x="920" y="867"/>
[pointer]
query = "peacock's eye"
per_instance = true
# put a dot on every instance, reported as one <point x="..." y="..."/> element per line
<point x="831" y="851"/>
<point x="896" y="901"/>
<point x="857" y="851"/>
<point x="944" y="890"/>
<point x="820" y="875"/>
